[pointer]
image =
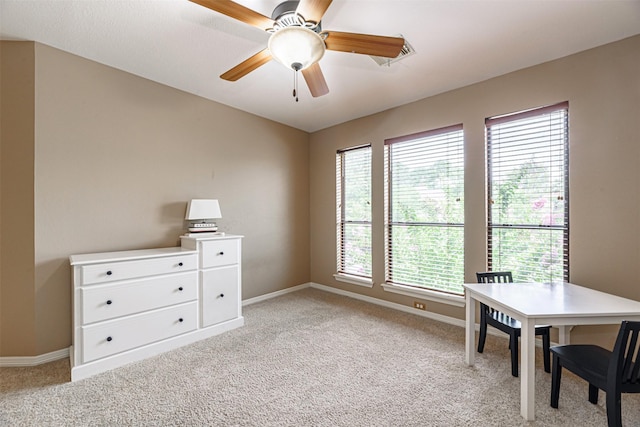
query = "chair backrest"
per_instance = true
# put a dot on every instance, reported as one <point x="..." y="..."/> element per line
<point x="624" y="367"/>
<point x="494" y="277"/>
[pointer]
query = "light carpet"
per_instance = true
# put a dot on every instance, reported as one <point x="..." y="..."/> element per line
<point x="309" y="358"/>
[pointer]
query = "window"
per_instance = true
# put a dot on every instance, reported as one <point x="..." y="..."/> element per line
<point x="528" y="194"/>
<point x="353" y="170"/>
<point x="424" y="205"/>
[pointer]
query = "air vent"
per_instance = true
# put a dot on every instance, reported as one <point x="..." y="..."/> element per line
<point x="407" y="50"/>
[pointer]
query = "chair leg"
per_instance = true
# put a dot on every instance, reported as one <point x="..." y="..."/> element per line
<point x="556" y="376"/>
<point x="593" y="394"/>
<point x="614" y="409"/>
<point x="513" y="345"/>
<point x="483" y="332"/>
<point x="546" y="343"/>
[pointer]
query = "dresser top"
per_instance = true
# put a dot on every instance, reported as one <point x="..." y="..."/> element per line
<point x="210" y="236"/>
<point x="128" y="255"/>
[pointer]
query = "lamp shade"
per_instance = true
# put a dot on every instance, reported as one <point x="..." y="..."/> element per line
<point x="296" y="47"/>
<point x="203" y="209"/>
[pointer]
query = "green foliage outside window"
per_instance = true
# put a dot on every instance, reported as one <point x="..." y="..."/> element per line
<point x="425" y="232"/>
<point x="354" y="211"/>
<point x="528" y="181"/>
<point x="528" y="231"/>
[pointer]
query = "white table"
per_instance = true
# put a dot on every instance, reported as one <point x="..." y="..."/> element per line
<point x="559" y="304"/>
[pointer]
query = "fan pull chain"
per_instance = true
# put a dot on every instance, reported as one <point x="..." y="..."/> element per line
<point x="296" y="66"/>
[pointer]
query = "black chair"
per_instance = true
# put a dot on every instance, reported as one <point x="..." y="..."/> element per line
<point x="512" y="327"/>
<point x="615" y="372"/>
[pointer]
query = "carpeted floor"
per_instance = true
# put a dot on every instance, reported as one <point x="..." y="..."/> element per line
<point x="308" y="358"/>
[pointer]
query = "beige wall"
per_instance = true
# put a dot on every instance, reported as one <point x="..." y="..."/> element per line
<point x="96" y="159"/>
<point x="17" y="294"/>
<point x="602" y="86"/>
<point x="117" y="158"/>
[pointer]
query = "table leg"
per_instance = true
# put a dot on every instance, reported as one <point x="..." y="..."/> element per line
<point x="470" y="330"/>
<point x="527" y="370"/>
<point x="564" y="336"/>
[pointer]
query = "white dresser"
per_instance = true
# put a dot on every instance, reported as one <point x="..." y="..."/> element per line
<point x="131" y="305"/>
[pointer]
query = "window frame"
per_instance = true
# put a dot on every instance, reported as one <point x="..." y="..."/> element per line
<point x="494" y="225"/>
<point x="344" y="274"/>
<point x="422" y="290"/>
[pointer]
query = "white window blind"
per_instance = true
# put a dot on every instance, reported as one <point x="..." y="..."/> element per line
<point x="425" y="210"/>
<point x="528" y="192"/>
<point x="353" y="170"/>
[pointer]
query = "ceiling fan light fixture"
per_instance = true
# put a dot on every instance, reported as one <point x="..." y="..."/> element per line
<point x="296" y="45"/>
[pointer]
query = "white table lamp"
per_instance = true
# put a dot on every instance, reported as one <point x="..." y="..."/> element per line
<point x="201" y="213"/>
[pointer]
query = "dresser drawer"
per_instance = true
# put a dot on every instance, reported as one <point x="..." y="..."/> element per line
<point x="123" y="270"/>
<point x="102" y="302"/>
<point x="115" y="336"/>
<point x="220" y="295"/>
<point x="216" y="253"/>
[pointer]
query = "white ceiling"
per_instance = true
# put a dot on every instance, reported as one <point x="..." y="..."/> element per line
<point x="457" y="42"/>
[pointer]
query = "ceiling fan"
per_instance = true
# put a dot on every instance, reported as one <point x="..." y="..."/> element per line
<point x="297" y="40"/>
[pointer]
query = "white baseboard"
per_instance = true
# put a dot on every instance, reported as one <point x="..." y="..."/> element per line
<point x="433" y="316"/>
<point x="393" y="305"/>
<point x="26" y="361"/>
<point x="61" y="354"/>
<point x="274" y="294"/>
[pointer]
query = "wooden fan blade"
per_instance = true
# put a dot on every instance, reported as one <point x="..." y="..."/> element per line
<point x="247" y="66"/>
<point x="366" y="44"/>
<point x="237" y="11"/>
<point x="315" y="80"/>
<point x="313" y="10"/>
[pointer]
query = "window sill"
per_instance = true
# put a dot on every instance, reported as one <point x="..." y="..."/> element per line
<point x="354" y="280"/>
<point x="441" y="297"/>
